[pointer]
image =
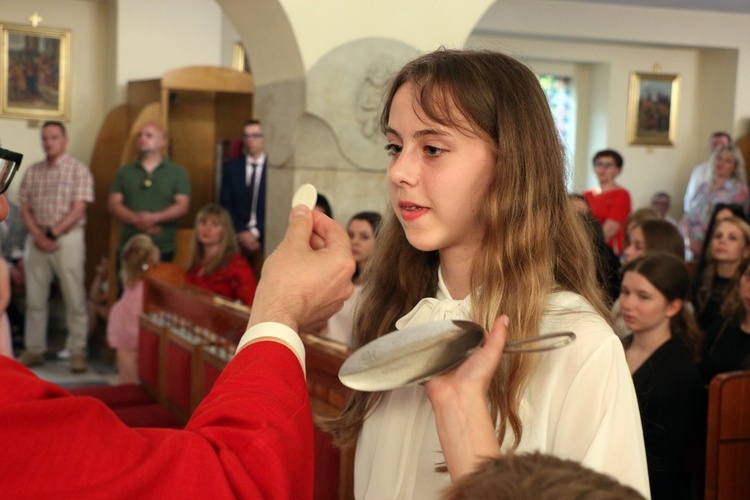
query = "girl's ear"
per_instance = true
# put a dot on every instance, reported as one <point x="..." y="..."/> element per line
<point x="674" y="307"/>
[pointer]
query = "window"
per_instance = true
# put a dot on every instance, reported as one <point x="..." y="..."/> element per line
<point x="561" y="98"/>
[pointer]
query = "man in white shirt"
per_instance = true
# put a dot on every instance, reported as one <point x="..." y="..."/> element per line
<point x="243" y="193"/>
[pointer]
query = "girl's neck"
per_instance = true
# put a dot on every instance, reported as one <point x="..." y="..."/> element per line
<point x="456" y="271"/>
<point x="609" y="186"/>
<point x="649" y="341"/>
<point x="644" y="344"/>
<point x="726" y="269"/>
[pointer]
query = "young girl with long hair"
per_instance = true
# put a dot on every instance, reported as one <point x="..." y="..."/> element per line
<point x="216" y="263"/>
<point x="726" y="347"/>
<point x="661" y="355"/>
<point x="647" y="236"/>
<point x="479" y="228"/>
<point x="730" y="243"/>
<point x="362" y="229"/>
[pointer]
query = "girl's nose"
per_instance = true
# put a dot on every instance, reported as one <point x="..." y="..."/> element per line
<point x="403" y="170"/>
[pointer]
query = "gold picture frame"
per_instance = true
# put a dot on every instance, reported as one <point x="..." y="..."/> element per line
<point x="652" y="109"/>
<point x="239" y="58"/>
<point x="35" y="73"/>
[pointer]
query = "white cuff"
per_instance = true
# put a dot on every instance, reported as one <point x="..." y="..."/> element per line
<point x="275" y="332"/>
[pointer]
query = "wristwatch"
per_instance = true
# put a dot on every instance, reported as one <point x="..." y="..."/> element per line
<point x="49" y="234"/>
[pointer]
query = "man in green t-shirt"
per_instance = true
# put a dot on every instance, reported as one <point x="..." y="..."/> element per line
<point x="149" y="195"/>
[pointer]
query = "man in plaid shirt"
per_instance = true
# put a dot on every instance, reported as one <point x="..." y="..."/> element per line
<point x="54" y="195"/>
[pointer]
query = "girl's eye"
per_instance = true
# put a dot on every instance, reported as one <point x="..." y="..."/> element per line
<point x="433" y="151"/>
<point x="393" y="149"/>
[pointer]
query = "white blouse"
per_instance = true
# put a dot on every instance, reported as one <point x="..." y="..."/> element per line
<point x="580" y="404"/>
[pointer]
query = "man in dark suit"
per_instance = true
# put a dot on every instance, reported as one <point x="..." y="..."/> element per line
<point x="243" y="194"/>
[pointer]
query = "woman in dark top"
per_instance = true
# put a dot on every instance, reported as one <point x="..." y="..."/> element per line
<point x="216" y="263"/>
<point x="727" y="344"/>
<point x="660" y="354"/>
<point x="730" y="243"/>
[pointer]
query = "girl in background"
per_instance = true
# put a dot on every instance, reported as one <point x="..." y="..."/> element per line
<point x="727" y="344"/>
<point x="362" y="229"/>
<point x="653" y="235"/>
<point x="479" y="228"/>
<point x="661" y="352"/>
<point x="650" y="235"/>
<point x="730" y="243"/>
<point x="721" y="211"/>
<point x="216" y="264"/>
<point x="136" y="256"/>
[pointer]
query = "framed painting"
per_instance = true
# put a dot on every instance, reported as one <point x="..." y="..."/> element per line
<point x="239" y="58"/>
<point x="652" y="109"/>
<point x="35" y="73"/>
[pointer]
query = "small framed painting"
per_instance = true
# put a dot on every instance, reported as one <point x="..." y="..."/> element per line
<point x="35" y="73"/>
<point x="652" y="109"/>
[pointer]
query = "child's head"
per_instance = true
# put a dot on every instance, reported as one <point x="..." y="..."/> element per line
<point x="670" y="279"/>
<point x="362" y="228"/>
<point x="654" y="235"/>
<point x="497" y="105"/>
<point x="730" y="241"/>
<point x="136" y="256"/>
<point x="638" y="216"/>
<point x="537" y="476"/>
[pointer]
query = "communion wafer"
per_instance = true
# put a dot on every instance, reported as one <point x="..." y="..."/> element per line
<point x="306" y="195"/>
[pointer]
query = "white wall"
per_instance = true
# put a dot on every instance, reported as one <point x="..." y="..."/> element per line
<point x="155" y="36"/>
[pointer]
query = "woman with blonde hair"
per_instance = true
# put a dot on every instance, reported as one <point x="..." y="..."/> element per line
<point x="729" y="245"/>
<point x="136" y="256"/>
<point x="727" y="184"/>
<point x="479" y="228"/>
<point x="216" y="263"/>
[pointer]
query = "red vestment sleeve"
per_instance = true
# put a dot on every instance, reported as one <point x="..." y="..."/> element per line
<point x="252" y="437"/>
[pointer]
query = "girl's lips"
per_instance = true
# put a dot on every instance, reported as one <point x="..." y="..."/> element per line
<point x="411" y="211"/>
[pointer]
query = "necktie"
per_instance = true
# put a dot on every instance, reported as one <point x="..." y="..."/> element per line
<point x="251" y="190"/>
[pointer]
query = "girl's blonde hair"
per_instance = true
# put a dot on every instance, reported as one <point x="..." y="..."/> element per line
<point x="136" y="256"/>
<point x="228" y="245"/>
<point x="532" y="241"/>
<point x="739" y="163"/>
<point x="706" y="285"/>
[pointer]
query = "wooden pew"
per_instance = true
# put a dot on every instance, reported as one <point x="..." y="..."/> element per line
<point x="189" y="335"/>
<point x="728" y="437"/>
